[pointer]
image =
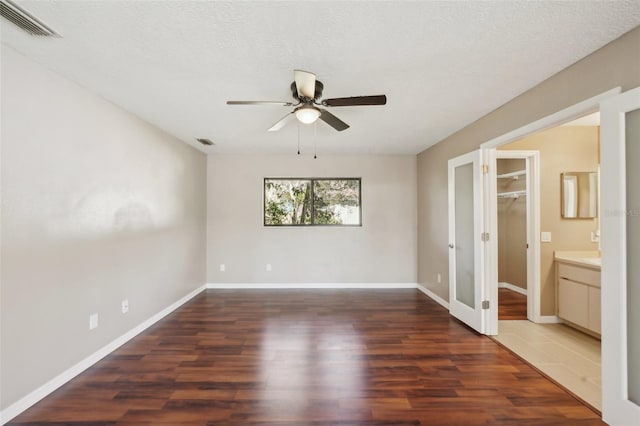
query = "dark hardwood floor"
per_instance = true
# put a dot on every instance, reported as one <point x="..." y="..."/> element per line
<point x="511" y="305"/>
<point x="323" y="357"/>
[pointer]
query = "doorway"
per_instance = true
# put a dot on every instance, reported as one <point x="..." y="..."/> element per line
<point x="566" y="352"/>
<point x="513" y="235"/>
<point x="619" y="319"/>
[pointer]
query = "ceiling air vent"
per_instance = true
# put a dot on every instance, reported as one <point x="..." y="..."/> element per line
<point x="24" y="20"/>
<point x="203" y="141"/>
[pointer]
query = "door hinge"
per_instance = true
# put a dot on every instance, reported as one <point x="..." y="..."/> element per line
<point x="485" y="304"/>
<point x="485" y="169"/>
<point x="484" y="236"/>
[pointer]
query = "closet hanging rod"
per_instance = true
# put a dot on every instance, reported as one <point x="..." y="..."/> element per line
<point x="512" y="194"/>
<point x="512" y="175"/>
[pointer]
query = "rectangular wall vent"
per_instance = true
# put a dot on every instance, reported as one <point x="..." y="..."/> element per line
<point x="203" y="141"/>
<point x="24" y="20"/>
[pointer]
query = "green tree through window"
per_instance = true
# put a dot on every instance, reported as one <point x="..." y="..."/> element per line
<point x="311" y="201"/>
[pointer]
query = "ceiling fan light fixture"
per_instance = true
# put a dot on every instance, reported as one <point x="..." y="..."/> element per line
<point x="307" y="114"/>
<point x="307" y="93"/>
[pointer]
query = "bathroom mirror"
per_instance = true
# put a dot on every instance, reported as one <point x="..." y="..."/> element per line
<point x="579" y="195"/>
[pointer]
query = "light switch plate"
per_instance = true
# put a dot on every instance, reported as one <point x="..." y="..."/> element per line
<point x="545" y="237"/>
<point x="93" y="321"/>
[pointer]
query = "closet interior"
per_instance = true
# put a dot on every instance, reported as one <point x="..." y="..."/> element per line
<point x="512" y="238"/>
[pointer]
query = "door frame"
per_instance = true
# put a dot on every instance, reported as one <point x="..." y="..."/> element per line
<point x="617" y="409"/>
<point x="565" y="115"/>
<point x="532" y="160"/>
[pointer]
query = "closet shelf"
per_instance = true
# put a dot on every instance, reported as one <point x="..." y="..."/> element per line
<point x="512" y="175"/>
<point x="512" y="194"/>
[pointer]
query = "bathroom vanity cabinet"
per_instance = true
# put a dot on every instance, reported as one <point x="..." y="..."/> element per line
<point x="578" y="290"/>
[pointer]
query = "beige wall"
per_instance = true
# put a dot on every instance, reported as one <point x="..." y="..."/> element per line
<point x="97" y="206"/>
<point x="562" y="149"/>
<point x="512" y="226"/>
<point x="616" y="64"/>
<point x="383" y="250"/>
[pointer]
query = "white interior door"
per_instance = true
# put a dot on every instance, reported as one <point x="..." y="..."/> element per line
<point x="620" y="242"/>
<point x="466" y="251"/>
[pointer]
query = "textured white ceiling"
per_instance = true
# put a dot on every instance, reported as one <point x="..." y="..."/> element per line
<point x="442" y="65"/>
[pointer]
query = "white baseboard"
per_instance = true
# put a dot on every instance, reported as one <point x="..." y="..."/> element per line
<point x="249" y="286"/>
<point x="433" y="296"/>
<point x="513" y="287"/>
<point x="266" y="286"/>
<point x="548" y="319"/>
<point x="30" y="399"/>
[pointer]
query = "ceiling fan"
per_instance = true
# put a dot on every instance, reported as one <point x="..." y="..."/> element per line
<point x="307" y="91"/>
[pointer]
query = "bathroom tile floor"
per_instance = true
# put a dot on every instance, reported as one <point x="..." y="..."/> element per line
<point x="567" y="356"/>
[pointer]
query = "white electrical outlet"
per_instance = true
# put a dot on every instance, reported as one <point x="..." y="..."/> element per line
<point x="595" y="236"/>
<point x="268" y="267"/>
<point x="545" y="237"/>
<point x="439" y="278"/>
<point x="125" y="306"/>
<point x="222" y="267"/>
<point x="93" y="321"/>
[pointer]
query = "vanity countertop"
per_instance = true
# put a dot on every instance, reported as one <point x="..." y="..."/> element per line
<point x="590" y="259"/>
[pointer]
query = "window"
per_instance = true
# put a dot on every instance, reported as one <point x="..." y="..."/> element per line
<point x="307" y="202"/>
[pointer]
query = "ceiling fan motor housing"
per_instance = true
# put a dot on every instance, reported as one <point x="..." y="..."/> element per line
<point x="316" y="95"/>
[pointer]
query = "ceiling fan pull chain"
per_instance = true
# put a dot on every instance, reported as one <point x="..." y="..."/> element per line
<point x="315" y="140"/>
<point x="298" y="138"/>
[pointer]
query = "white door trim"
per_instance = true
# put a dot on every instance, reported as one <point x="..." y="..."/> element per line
<point x="563" y="116"/>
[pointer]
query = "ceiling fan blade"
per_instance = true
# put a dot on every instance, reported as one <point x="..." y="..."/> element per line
<point x="356" y="100"/>
<point x="305" y="83"/>
<point x="284" y="120"/>
<point x="259" y="103"/>
<point x="333" y="121"/>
